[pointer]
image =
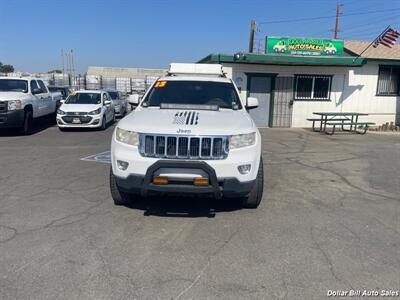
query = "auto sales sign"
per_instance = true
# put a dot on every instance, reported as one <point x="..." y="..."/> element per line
<point x="303" y="46"/>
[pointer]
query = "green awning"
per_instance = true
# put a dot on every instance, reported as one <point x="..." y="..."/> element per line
<point x="280" y="59"/>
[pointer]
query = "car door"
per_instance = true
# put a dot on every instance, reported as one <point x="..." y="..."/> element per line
<point x="47" y="98"/>
<point x="38" y="110"/>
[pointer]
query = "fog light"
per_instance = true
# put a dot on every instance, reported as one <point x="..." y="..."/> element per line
<point x="95" y="122"/>
<point x="244" y="169"/>
<point x="200" y="181"/>
<point x="160" y="180"/>
<point x="122" y="165"/>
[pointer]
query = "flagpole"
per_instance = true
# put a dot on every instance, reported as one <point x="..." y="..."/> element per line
<point x="371" y="43"/>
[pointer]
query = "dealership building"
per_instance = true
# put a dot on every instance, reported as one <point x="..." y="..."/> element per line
<point x="296" y="77"/>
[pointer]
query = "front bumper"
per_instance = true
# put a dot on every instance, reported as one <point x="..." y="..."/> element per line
<point x="87" y="121"/>
<point x="226" y="187"/>
<point x="119" y="110"/>
<point x="224" y="168"/>
<point x="12" y="119"/>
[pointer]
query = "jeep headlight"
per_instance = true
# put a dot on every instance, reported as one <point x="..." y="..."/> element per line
<point x="242" y="140"/>
<point x="127" y="137"/>
<point x="14" y="104"/>
<point x="95" y="112"/>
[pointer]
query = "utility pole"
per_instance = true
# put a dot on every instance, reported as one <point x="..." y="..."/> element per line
<point x="72" y="63"/>
<point x="73" y="68"/>
<point x="338" y="14"/>
<point x="252" y="31"/>
<point x="62" y="60"/>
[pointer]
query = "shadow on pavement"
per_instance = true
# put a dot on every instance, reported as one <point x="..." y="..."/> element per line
<point x="39" y="124"/>
<point x="184" y="206"/>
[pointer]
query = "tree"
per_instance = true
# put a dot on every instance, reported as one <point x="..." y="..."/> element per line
<point x="6" y="68"/>
<point x="55" y="71"/>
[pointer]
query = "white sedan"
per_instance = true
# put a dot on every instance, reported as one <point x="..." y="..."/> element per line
<point x="119" y="103"/>
<point x="86" y="109"/>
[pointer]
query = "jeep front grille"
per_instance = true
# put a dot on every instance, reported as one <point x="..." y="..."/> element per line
<point x="184" y="147"/>
<point x="3" y="106"/>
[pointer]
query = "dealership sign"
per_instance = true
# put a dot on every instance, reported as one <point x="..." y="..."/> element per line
<point x="303" y="46"/>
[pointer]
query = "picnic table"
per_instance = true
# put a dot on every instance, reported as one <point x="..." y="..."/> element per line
<point x="342" y="119"/>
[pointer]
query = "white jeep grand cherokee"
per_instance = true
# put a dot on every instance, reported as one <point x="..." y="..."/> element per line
<point x="190" y="134"/>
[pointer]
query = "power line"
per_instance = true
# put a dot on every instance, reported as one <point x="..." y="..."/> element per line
<point x="363" y="27"/>
<point x="371" y="24"/>
<point x="326" y="17"/>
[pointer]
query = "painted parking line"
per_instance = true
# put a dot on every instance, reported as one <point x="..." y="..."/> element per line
<point x="103" y="157"/>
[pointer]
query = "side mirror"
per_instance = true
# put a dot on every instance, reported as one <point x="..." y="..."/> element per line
<point x="107" y="102"/>
<point x="36" y="91"/>
<point x="134" y="99"/>
<point x="252" y="103"/>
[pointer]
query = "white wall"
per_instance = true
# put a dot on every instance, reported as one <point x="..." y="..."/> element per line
<point x="353" y="89"/>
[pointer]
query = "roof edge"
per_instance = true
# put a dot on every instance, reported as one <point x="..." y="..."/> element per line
<point x="271" y="59"/>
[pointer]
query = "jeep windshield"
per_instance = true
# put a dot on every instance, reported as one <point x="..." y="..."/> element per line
<point x="84" y="98"/>
<point x="199" y="93"/>
<point x="13" y="85"/>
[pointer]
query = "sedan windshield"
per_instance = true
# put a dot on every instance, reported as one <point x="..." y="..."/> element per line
<point x="13" y="85"/>
<point x="113" y="95"/>
<point x="84" y="98"/>
<point x="221" y="94"/>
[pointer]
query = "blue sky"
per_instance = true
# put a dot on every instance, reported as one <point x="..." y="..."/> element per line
<point x="153" y="33"/>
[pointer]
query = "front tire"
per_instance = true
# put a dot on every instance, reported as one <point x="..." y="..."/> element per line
<point x="119" y="197"/>
<point x="253" y="199"/>
<point x="28" y="123"/>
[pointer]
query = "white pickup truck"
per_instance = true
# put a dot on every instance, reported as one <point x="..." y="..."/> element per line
<point x="191" y="133"/>
<point x="24" y="99"/>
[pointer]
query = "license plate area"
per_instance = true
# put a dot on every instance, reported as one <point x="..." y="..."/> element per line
<point x="76" y="120"/>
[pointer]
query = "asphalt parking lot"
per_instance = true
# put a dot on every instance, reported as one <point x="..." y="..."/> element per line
<point x="329" y="220"/>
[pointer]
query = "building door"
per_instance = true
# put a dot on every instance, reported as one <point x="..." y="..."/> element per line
<point x="282" y="107"/>
<point x="260" y="88"/>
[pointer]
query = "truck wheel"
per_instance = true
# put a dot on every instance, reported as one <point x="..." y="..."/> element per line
<point x="120" y="198"/>
<point x="253" y="199"/>
<point x="28" y="123"/>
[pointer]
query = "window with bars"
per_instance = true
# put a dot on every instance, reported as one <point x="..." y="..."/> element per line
<point x="312" y="87"/>
<point x="388" y="81"/>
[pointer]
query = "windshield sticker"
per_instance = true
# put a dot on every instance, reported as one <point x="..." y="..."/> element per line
<point x="160" y="84"/>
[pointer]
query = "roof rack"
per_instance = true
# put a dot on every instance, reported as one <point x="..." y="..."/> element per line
<point x="179" y="69"/>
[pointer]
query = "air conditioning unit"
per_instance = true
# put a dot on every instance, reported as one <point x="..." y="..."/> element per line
<point x="177" y="69"/>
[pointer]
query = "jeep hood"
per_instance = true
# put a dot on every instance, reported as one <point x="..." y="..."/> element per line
<point x="191" y="122"/>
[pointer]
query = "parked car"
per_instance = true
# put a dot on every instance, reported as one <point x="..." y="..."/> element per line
<point x="64" y="90"/>
<point x="90" y="109"/>
<point x="132" y="99"/>
<point x="120" y="106"/>
<point x="191" y="133"/>
<point x="24" y="99"/>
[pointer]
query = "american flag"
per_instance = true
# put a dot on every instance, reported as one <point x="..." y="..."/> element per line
<point x="387" y="38"/>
